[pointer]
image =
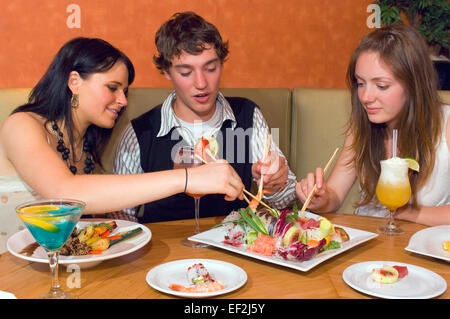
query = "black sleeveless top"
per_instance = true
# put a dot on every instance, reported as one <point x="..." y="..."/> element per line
<point x="156" y="156"/>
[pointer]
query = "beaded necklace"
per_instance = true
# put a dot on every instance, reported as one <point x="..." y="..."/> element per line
<point x="88" y="162"/>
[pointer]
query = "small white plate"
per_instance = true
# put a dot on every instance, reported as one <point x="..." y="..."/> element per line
<point x="420" y="283"/>
<point x="215" y="237"/>
<point x="174" y="272"/>
<point x="17" y="242"/>
<point x="429" y="241"/>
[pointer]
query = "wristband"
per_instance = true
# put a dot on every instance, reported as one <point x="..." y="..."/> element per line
<point x="185" y="184"/>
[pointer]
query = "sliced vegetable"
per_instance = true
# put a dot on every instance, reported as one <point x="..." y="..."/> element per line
<point x="313" y="243"/>
<point x="92" y="240"/>
<point x="106" y="234"/>
<point x="86" y="233"/>
<point x="95" y="252"/>
<point x="299" y="251"/>
<point x="102" y="227"/>
<point x="101" y="243"/>
<point x="279" y="226"/>
<point x="332" y="245"/>
<point x="126" y="235"/>
<point x="291" y="236"/>
<point x="252" y="220"/>
<point x="99" y="230"/>
<point x="251" y="237"/>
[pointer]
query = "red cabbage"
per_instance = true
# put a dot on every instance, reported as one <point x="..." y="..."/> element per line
<point x="281" y="223"/>
<point x="300" y="252"/>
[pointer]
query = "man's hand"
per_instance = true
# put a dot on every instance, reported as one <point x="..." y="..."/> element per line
<point x="275" y="172"/>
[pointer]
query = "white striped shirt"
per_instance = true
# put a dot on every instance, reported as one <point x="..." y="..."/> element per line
<point x="128" y="158"/>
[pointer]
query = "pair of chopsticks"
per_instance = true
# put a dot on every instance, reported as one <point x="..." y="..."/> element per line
<point x="268" y="141"/>
<point x="308" y="199"/>
<point x="244" y="190"/>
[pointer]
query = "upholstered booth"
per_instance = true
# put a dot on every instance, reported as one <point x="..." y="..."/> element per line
<point x="309" y="122"/>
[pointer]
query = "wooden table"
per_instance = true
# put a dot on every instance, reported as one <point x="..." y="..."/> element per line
<point x="124" y="277"/>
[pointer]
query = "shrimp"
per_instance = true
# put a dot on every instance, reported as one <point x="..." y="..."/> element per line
<point x="211" y="286"/>
<point x="254" y="203"/>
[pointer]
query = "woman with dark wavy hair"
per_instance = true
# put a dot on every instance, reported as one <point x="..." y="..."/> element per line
<point x="55" y="98"/>
<point x="50" y="146"/>
<point x="393" y="86"/>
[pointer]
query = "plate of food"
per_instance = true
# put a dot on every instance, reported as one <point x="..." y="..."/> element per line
<point x="394" y="280"/>
<point x="432" y="242"/>
<point x="196" y="278"/>
<point x="283" y="238"/>
<point x="91" y="242"/>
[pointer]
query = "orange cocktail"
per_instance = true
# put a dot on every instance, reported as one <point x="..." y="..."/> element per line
<point x="393" y="190"/>
<point x="392" y="195"/>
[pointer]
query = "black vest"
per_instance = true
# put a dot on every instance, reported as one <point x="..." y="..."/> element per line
<point x="156" y="156"/>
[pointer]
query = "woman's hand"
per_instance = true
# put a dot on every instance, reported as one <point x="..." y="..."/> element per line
<point x="215" y="178"/>
<point x="321" y="196"/>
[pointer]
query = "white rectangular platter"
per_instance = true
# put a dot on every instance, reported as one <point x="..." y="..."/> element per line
<point x="215" y="237"/>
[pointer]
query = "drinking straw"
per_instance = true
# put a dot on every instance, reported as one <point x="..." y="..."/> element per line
<point x="394" y="143"/>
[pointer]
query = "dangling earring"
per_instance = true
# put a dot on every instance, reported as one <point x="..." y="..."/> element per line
<point x="74" y="101"/>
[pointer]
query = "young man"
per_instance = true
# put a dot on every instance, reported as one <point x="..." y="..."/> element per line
<point x="191" y="56"/>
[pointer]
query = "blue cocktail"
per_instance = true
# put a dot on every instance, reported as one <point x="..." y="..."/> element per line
<point x="51" y="222"/>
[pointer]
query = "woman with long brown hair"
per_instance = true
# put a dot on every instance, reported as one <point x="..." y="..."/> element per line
<point x="393" y="86"/>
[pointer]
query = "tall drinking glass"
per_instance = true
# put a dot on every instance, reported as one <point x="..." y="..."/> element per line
<point x="185" y="158"/>
<point x="51" y="222"/>
<point x="393" y="190"/>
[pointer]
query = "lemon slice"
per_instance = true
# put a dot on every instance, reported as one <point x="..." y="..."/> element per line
<point x="39" y="223"/>
<point x="446" y="246"/>
<point x="213" y="145"/>
<point x="326" y="228"/>
<point x="39" y="209"/>
<point x="412" y="163"/>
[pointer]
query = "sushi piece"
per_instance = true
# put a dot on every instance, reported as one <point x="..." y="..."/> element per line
<point x="198" y="274"/>
<point x="385" y="275"/>
<point x="200" y="279"/>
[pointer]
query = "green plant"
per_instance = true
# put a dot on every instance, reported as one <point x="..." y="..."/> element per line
<point x="430" y="17"/>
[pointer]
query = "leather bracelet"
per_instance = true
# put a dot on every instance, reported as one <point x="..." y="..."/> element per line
<point x="185" y="184"/>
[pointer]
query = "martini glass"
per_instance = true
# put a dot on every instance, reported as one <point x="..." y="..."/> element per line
<point x="185" y="158"/>
<point x="51" y="222"/>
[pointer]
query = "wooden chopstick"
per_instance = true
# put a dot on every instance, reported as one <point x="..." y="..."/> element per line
<point x="210" y="154"/>
<point x="257" y="199"/>
<point x="200" y="158"/>
<point x="266" y="151"/>
<point x="315" y="185"/>
<point x="246" y="199"/>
